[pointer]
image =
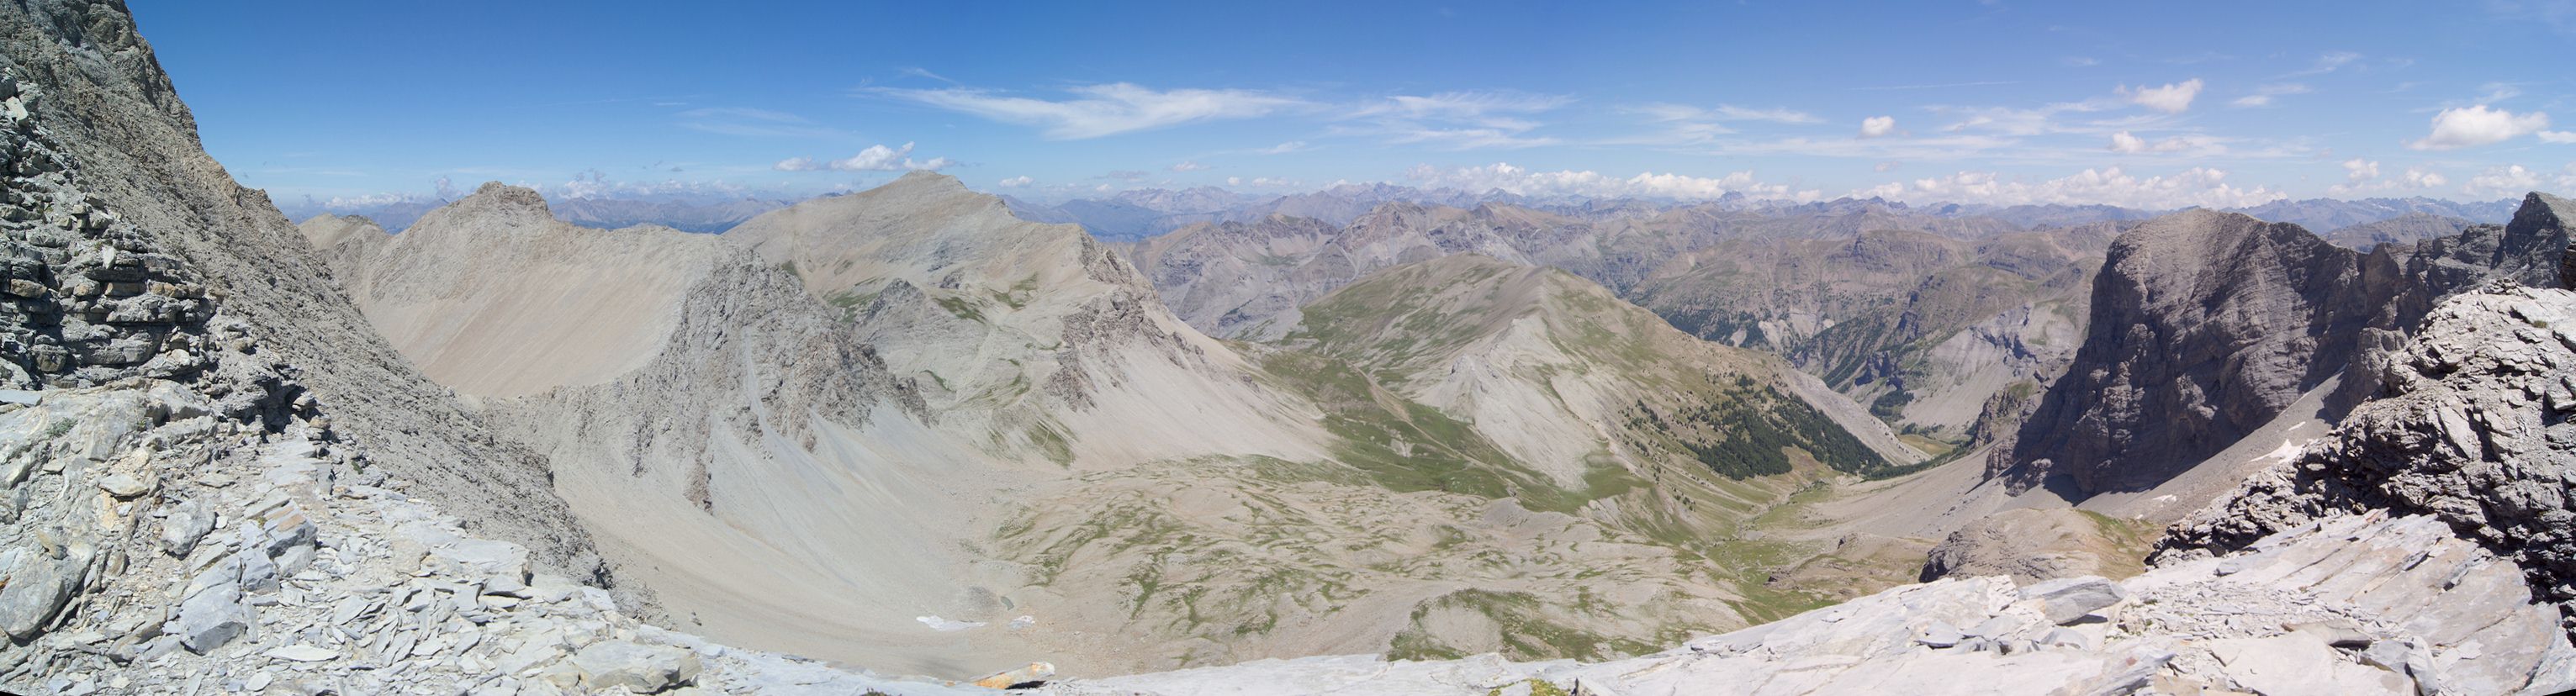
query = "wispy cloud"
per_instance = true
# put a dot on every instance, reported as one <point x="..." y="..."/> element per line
<point x="1522" y="181"/>
<point x="1682" y="124"/>
<point x="2329" y="62"/>
<point x="1190" y="166"/>
<point x="2193" y="144"/>
<point x="756" y="123"/>
<point x="922" y="73"/>
<point x="2197" y="186"/>
<point x="1455" y="120"/>
<point x="1941" y="85"/>
<point x="2262" y="96"/>
<point x="876" y="158"/>
<point x="1102" y="110"/>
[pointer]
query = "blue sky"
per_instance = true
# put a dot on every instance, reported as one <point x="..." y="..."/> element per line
<point x="2006" y="102"/>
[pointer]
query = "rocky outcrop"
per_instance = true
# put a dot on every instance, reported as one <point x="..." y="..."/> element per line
<point x="2204" y="326"/>
<point x="2032" y="545"/>
<point x="2357" y="605"/>
<point x="342" y="242"/>
<point x="2207" y="325"/>
<point x="87" y="78"/>
<point x="2468" y="428"/>
<point x="1026" y="330"/>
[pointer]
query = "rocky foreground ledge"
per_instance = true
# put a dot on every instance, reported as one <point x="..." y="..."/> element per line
<point x="2359" y="604"/>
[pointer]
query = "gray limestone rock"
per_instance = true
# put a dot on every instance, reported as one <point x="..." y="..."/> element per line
<point x="37" y="589"/>
<point x="2468" y="428"/>
<point x="2066" y="600"/>
<point x="1940" y="635"/>
<point x="212" y="617"/>
<point x="637" y="668"/>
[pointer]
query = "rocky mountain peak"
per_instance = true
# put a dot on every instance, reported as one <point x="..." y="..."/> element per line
<point x="504" y="199"/>
<point x="924" y="182"/>
<point x="326" y="231"/>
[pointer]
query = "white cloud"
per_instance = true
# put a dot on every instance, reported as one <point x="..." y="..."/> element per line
<point x="2036" y="121"/>
<point x="2125" y="143"/>
<point x="1016" y="182"/>
<point x="877" y="158"/>
<point x="1682" y="124"/>
<point x="2198" y="186"/>
<point x="1262" y="182"/>
<point x="1103" y="110"/>
<point x="2362" y="179"/>
<point x="1473" y="107"/>
<point x="2478" y="125"/>
<point x="1524" y="182"/>
<point x="2328" y="62"/>
<point x="1282" y="148"/>
<point x="1456" y="120"/>
<point x="372" y="200"/>
<point x="1188" y="167"/>
<point x="2558" y="137"/>
<point x="1876" y="126"/>
<point x="2502" y="182"/>
<point x="596" y="184"/>
<point x="749" y="122"/>
<point x="2172" y="99"/>
<point x="2263" y="95"/>
<point x="1737" y="113"/>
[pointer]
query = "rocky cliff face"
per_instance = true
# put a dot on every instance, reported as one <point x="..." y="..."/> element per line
<point x="86" y="77"/>
<point x="2204" y="326"/>
<point x="2208" y="325"/>
<point x="2468" y="427"/>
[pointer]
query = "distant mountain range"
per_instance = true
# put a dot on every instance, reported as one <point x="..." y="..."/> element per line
<point x="684" y="213"/>
<point x="1129" y="216"/>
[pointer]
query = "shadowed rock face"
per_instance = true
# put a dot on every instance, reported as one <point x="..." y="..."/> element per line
<point x="2470" y="427"/>
<point x="2206" y="325"/>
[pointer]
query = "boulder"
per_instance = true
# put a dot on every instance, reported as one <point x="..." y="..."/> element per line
<point x="500" y="563"/>
<point x="212" y="617"/>
<point x="2065" y="600"/>
<point x="35" y="591"/>
<point x="637" y="668"/>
